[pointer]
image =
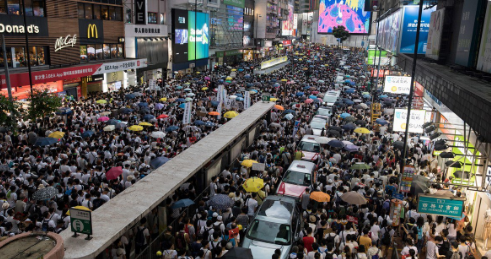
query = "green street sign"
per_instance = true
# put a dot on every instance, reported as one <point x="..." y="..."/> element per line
<point x="81" y="221"/>
<point x="444" y="206"/>
<point x="238" y="3"/>
<point x="266" y="98"/>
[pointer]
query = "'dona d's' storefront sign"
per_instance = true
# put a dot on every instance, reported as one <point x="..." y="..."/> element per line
<point x="14" y="25"/>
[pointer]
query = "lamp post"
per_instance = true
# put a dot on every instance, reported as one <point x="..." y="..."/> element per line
<point x="411" y="91"/>
<point x="27" y="45"/>
<point x="256" y="24"/>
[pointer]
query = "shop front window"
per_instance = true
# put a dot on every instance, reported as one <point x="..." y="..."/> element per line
<point x="14" y="7"/>
<point x="107" y="51"/>
<point x="98" y="51"/>
<point x="19" y="57"/>
<point x="104" y="12"/>
<point x="97" y="12"/>
<point x="114" y="50"/>
<point x="83" y="54"/>
<point x="120" y="51"/>
<point x="28" y="4"/>
<point x="32" y="56"/>
<point x="41" y="56"/>
<point x="88" y="11"/>
<point x="91" y="52"/>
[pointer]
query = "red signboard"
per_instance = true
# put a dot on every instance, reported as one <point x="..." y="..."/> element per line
<point x="287" y="43"/>
<point x="381" y="73"/>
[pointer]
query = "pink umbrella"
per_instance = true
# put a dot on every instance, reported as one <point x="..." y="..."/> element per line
<point x="103" y="118"/>
<point x="114" y="172"/>
<point x="207" y="78"/>
<point x="315" y="92"/>
<point x="309" y="101"/>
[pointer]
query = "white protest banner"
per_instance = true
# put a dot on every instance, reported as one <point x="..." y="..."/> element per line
<point x="415" y="122"/>
<point x="247" y="100"/>
<point x="397" y="84"/>
<point x="219" y="110"/>
<point x="186" y="119"/>
<point x="220" y="93"/>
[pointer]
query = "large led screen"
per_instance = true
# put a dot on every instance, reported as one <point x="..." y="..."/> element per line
<point x="199" y="39"/>
<point x="388" y="32"/>
<point x="235" y="18"/>
<point x="349" y="14"/>
<point x="181" y="35"/>
<point x="409" y="28"/>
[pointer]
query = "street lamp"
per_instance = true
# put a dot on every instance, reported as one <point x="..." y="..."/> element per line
<point x="256" y="37"/>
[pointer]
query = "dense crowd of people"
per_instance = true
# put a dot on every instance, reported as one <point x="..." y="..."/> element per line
<point x="98" y="153"/>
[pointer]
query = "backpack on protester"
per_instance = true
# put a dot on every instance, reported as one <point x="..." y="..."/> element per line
<point x="180" y="242"/>
<point x="386" y="238"/>
<point x="376" y="256"/>
<point x="206" y="233"/>
<point x="455" y="255"/>
<point x="168" y="254"/>
<point x="329" y="255"/>
<point x="140" y="237"/>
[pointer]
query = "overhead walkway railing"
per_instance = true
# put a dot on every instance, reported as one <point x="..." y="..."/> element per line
<point x="203" y="160"/>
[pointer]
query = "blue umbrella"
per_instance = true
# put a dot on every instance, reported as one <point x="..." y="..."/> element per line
<point x="289" y="111"/>
<point x="344" y="115"/>
<point x="220" y="80"/>
<point x="182" y="105"/>
<point x="313" y="97"/>
<point x="182" y="203"/>
<point x="381" y="121"/>
<point x="351" y="148"/>
<point x="241" y="69"/>
<point x="130" y="96"/>
<point x="247" y="76"/>
<point x="158" y="161"/>
<point x="209" y="124"/>
<point x="383" y="96"/>
<point x="171" y="128"/>
<point x="336" y="143"/>
<point x="254" y="90"/>
<point x="87" y="134"/>
<point x="277" y="85"/>
<point x="350" y="91"/>
<point x="366" y="96"/>
<point x="199" y="122"/>
<point x="347" y="81"/>
<point x="274" y="80"/>
<point x="317" y="100"/>
<point x="349" y="126"/>
<point x="181" y="100"/>
<point x="113" y="122"/>
<point x="221" y="202"/>
<point x="41" y="142"/>
<point x="214" y="103"/>
<point x="249" y="84"/>
<point x="352" y="83"/>
<point x="349" y="102"/>
<point x="239" y="95"/>
<point x="307" y="87"/>
<point x="148" y="117"/>
<point x="239" y="99"/>
<point x="300" y="93"/>
<point x="64" y="111"/>
<point x="126" y="110"/>
<point x="143" y="104"/>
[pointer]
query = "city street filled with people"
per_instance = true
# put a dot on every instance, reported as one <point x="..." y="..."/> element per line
<point x="328" y="190"/>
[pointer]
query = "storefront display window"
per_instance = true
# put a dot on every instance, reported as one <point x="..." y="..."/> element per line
<point x="107" y="51"/>
<point x="98" y="52"/>
<point x="41" y="56"/>
<point x="114" y="51"/>
<point x="97" y="12"/>
<point x="83" y="54"/>
<point x="13" y="7"/>
<point x="19" y="57"/>
<point x="91" y="52"/>
<point x="152" y="18"/>
<point x="9" y="58"/>
<point x="119" y="14"/>
<point x="120" y="50"/>
<point x="37" y="55"/>
<point x="38" y="8"/>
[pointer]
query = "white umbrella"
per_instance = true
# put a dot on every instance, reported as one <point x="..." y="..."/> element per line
<point x="364" y="105"/>
<point x="323" y="140"/>
<point x="357" y="100"/>
<point x="157" y="134"/>
<point x="232" y="97"/>
<point x="190" y="94"/>
<point x="289" y="116"/>
<point x="109" y="128"/>
<point x="137" y="94"/>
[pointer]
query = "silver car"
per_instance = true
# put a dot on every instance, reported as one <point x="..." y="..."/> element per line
<point x="276" y="226"/>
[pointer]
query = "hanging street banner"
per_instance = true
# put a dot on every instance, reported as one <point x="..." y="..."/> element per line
<point x="187" y="113"/>
<point x="220" y="93"/>
<point x="415" y="122"/>
<point x="219" y="109"/>
<point x="442" y="206"/>
<point x="397" y="84"/>
<point x="247" y="100"/>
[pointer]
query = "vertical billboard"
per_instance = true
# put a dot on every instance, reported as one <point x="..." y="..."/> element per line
<point x="388" y="31"/>
<point x="199" y="39"/>
<point x="484" y="58"/>
<point x="435" y="34"/>
<point x="409" y="29"/>
<point x="468" y="34"/>
<point x="350" y="14"/>
<point x="287" y="25"/>
<point x="181" y="35"/>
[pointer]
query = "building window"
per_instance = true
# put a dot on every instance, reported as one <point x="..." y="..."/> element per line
<point x="162" y="18"/>
<point x="3" y="10"/>
<point x="19" y="57"/>
<point x="97" y="12"/>
<point x="81" y="11"/>
<point x="83" y="54"/>
<point x="112" y="13"/>
<point x="98" y="52"/>
<point x="104" y="12"/>
<point x="41" y="56"/>
<point x="107" y="51"/>
<point x="38" y="8"/>
<point x="14" y="7"/>
<point x="114" y="51"/>
<point x="152" y="18"/>
<point x="88" y="11"/>
<point x="120" y="51"/>
<point x="119" y="14"/>
<point x="91" y="52"/>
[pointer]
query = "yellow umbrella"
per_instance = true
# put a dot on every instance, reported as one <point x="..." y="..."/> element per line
<point x="362" y="130"/>
<point x="248" y="163"/>
<point x="299" y="59"/>
<point x="230" y="114"/>
<point x="204" y="88"/>
<point x="253" y="184"/>
<point x="136" y="128"/>
<point x="101" y="101"/>
<point x="284" y="80"/>
<point x="78" y="208"/>
<point x="273" y="99"/>
<point x="57" y="135"/>
<point x="228" y="78"/>
<point x="164" y="99"/>
<point x="326" y="65"/>
<point x="233" y="70"/>
<point x="198" y="72"/>
<point x="144" y="123"/>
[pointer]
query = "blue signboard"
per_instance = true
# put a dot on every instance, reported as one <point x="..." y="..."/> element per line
<point x="409" y="28"/>
<point x="443" y="206"/>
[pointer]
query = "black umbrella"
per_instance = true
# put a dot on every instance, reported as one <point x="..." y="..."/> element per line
<point x="333" y="133"/>
<point x="238" y="253"/>
<point x="455" y="164"/>
<point x="447" y="155"/>
<point x="336" y="128"/>
<point x="349" y="126"/>
<point x="361" y="122"/>
<point x="45" y="194"/>
<point x="398" y="144"/>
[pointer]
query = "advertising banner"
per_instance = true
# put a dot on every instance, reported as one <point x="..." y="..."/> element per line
<point x="180" y="35"/>
<point x="409" y="28"/>
<point x="12" y="25"/>
<point x="435" y="34"/>
<point x="199" y="39"/>
<point x="397" y="84"/>
<point x="388" y="31"/>
<point x="484" y="58"/>
<point x="237" y="3"/>
<point x="140" y="11"/>
<point x="247" y="100"/>
<point x="273" y="62"/>
<point x="90" y="31"/>
<point x="120" y="66"/>
<point x="407" y="178"/>
<point x="350" y="14"/>
<point x="220" y="93"/>
<point x="468" y="34"/>
<point x="186" y="117"/>
<point x="373" y="57"/>
<point x="415" y="122"/>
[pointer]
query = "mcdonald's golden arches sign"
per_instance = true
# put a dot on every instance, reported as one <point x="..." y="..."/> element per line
<point x="90" y="31"/>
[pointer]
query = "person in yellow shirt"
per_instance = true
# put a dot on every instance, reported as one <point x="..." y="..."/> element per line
<point x="365" y="240"/>
<point x="298" y="155"/>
